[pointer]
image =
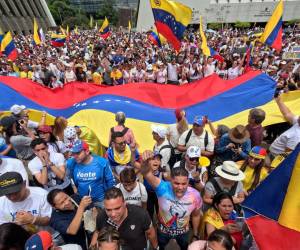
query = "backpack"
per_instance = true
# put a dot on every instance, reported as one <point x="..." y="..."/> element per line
<point x="232" y="191"/>
<point x="218" y="188"/>
<point x="188" y="136"/>
<point x="172" y="159"/>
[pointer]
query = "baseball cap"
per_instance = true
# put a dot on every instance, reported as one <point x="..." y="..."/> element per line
<point x="160" y="130"/>
<point x="193" y="152"/>
<point x="39" y="241"/>
<point x="45" y="129"/>
<point x="200" y="120"/>
<point x="10" y="182"/>
<point x="156" y="153"/>
<point x="78" y="146"/>
<point x="7" y="121"/>
<point x="16" y="109"/>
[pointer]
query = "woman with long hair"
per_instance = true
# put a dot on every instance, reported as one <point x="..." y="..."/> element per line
<point x="108" y="238"/>
<point x="254" y="169"/>
<point x="222" y="216"/>
<point x="60" y="123"/>
<point x="54" y="145"/>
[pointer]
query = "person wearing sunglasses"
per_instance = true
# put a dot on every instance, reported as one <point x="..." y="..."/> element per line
<point x="120" y="155"/>
<point x="217" y="240"/>
<point x="197" y="174"/>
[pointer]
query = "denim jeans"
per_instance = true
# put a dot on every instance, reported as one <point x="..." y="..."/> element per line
<point x="181" y="239"/>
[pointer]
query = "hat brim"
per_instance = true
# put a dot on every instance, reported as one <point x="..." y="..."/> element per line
<point x="239" y="177"/>
<point x="236" y="140"/>
<point x="10" y="190"/>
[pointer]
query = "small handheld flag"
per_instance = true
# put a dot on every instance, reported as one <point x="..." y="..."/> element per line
<point x="272" y="35"/>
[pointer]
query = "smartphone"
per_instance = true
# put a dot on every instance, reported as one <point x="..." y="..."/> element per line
<point x="240" y="221"/>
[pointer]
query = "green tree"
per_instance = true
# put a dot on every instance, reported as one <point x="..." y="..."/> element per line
<point x="62" y="11"/>
<point x="108" y="10"/>
<point x="214" y="26"/>
<point x="239" y="24"/>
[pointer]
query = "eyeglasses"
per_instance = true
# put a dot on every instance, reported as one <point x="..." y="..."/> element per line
<point x="194" y="158"/>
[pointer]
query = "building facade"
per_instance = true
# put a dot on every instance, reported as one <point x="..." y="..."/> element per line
<point x="224" y="11"/>
<point x="93" y="6"/>
<point x="17" y="15"/>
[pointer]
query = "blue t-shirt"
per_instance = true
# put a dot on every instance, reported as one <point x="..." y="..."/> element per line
<point x="96" y="177"/>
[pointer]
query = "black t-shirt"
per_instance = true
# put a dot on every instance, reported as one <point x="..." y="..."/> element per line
<point x="133" y="228"/>
<point x="60" y="221"/>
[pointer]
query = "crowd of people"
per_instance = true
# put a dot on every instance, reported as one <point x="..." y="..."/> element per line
<point x="61" y="190"/>
<point x="131" y="57"/>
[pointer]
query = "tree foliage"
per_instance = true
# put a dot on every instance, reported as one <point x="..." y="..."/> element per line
<point x="108" y="10"/>
<point x="239" y="24"/>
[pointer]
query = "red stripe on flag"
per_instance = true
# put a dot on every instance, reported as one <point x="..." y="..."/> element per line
<point x="13" y="55"/>
<point x="277" y="44"/>
<point x="168" y="34"/>
<point x="269" y="235"/>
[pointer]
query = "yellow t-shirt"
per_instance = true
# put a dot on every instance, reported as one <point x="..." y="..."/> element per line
<point x="97" y="78"/>
<point x="116" y="75"/>
<point x="24" y="74"/>
<point x="249" y="178"/>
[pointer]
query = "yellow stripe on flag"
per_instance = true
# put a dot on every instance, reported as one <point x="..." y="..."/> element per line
<point x="290" y="216"/>
<point x="182" y="13"/>
<point x="273" y="21"/>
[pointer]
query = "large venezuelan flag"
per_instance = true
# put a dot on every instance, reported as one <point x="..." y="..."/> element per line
<point x="58" y="40"/>
<point x="273" y="207"/>
<point x="272" y="35"/>
<point x="8" y="47"/>
<point x="225" y="102"/>
<point x="171" y="19"/>
<point x="36" y="35"/>
<point x="104" y="30"/>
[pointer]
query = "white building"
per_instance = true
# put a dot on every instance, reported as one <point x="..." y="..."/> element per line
<point x="224" y="11"/>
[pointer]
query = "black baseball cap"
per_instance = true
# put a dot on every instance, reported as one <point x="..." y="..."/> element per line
<point x="10" y="182"/>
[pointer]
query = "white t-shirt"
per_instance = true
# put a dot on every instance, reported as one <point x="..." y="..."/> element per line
<point x="203" y="170"/>
<point x="174" y="136"/>
<point x="166" y="154"/>
<point x="13" y="165"/>
<point x="36" y="166"/>
<point x="196" y="140"/>
<point x="209" y="70"/>
<point x="161" y="76"/>
<point x="233" y="73"/>
<point x="172" y="72"/>
<point x="36" y="203"/>
<point x="61" y="146"/>
<point x="136" y="196"/>
<point x="288" y="139"/>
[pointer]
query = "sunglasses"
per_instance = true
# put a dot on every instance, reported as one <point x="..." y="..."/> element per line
<point x="194" y="158"/>
<point x="121" y="143"/>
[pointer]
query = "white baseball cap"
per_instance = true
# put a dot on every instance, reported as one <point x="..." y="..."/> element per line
<point x="17" y="109"/>
<point x="160" y="130"/>
<point x="193" y="152"/>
